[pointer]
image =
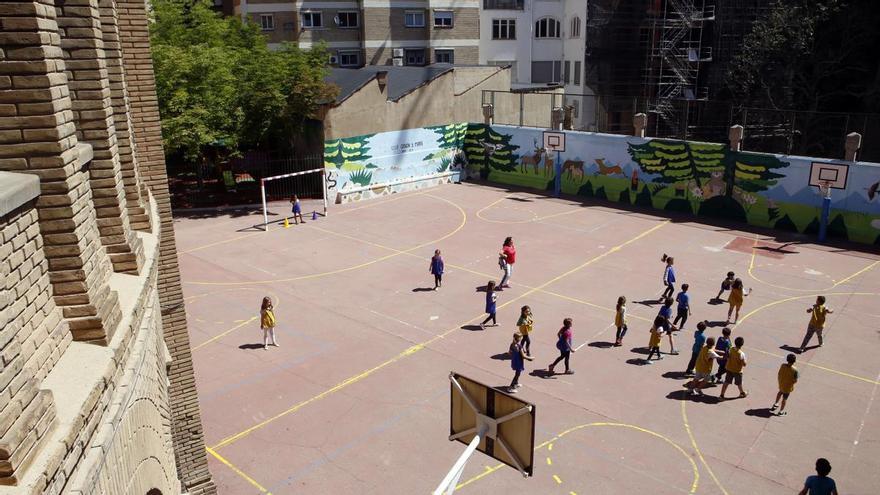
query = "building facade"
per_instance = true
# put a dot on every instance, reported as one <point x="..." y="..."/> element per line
<point x="373" y="32"/>
<point x="97" y="394"/>
<point x="542" y="40"/>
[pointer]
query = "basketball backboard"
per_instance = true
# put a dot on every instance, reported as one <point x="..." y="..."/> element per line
<point x="554" y="141"/>
<point x="505" y="423"/>
<point x="832" y="174"/>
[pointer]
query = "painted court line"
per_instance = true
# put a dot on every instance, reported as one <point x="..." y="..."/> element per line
<point x="227" y="332"/>
<point x="237" y="471"/>
<point x="418" y="347"/>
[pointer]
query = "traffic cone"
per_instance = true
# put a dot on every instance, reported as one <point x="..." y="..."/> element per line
<point x="314" y="215"/>
<point x="286" y="223"/>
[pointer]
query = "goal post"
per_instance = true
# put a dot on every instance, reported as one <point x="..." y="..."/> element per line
<point x="310" y="186"/>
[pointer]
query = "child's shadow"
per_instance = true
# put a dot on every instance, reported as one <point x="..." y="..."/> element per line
<point x="542" y="374"/>
<point x="649" y="302"/>
<point x="716" y="302"/>
<point x="760" y="413"/>
<point x="640" y="350"/>
<point x="686" y="395"/>
<point x="600" y="344"/>
<point x="472" y="328"/>
<point x="675" y="375"/>
<point x="717" y="323"/>
<point x="637" y="361"/>
<point x="423" y="289"/>
<point x="482" y="288"/>
<point x="250" y="346"/>
<point x="504" y="356"/>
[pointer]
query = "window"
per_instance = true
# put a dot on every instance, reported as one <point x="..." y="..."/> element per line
<point x="288" y="26"/>
<point x="444" y="57"/>
<point x="442" y="18"/>
<point x="414" y="18"/>
<point x="267" y="22"/>
<point x="346" y="20"/>
<point x="576" y="27"/>
<point x="547" y="27"/>
<point x="311" y="20"/>
<point x="349" y="59"/>
<point x="566" y="73"/>
<point x="577" y="72"/>
<point x="414" y="57"/>
<point x="503" y="29"/>
<point x="546" y="72"/>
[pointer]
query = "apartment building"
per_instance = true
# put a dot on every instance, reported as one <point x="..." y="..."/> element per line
<point x="373" y="32"/>
<point x="544" y="43"/>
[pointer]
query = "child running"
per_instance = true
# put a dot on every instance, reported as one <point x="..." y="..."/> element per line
<point x="525" y="328"/>
<point x="297" y="210"/>
<point x="436" y="269"/>
<point x="668" y="277"/>
<point x="491" y="299"/>
<point x="787" y="378"/>
<point x="817" y="322"/>
<point x="564" y="346"/>
<point x="666" y="313"/>
<point x="684" y="306"/>
<point x="699" y="341"/>
<point x="735" y="299"/>
<point x="703" y="367"/>
<point x="517" y="362"/>
<point x="725" y="285"/>
<point x="267" y="323"/>
<point x="736" y="361"/>
<point x="654" y="343"/>
<point x="620" y="320"/>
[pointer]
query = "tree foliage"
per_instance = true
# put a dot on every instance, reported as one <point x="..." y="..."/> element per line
<point x="678" y="161"/>
<point x="816" y="55"/>
<point x="221" y="88"/>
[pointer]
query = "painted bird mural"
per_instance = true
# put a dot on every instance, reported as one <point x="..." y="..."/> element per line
<point x="872" y="191"/>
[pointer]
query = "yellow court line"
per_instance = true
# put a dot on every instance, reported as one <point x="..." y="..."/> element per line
<point x="535" y="218"/>
<point x="795" y="289"/>
<point x="212" y="339"/>
<point x="687" y="428"/>
<point x="238" y="471"/>
<point x="350" y="268"/>
<point x="418" y="347"/>
<point x="558" y="480"/>
<point x="549" y="444"/>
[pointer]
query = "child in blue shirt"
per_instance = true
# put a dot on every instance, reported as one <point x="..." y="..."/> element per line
<point x="436" y="269"/>
<point x="491" y="299"/>
<point x="684" y="306"/>
<point x="666" y="314"/>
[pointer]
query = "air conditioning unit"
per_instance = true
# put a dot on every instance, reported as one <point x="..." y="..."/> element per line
<point x="397" y="52"/>
<point x="397" y="61"/>
<point x="334" y="60"/>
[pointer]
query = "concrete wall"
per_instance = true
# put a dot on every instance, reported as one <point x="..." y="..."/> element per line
<point x="452" y="97"/>
<point x="96" y="387"/>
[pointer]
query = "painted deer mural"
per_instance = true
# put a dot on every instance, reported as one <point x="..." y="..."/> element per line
<point x="533" y="159"/>
<point x="608" y="169"/>
<point x="571" y="166"/>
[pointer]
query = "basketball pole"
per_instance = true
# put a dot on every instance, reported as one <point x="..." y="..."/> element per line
<point x="447" y="486"/>
<point x="826" y="211"/>
<point x="265" y="213"/>
<point x="324" y="190"/>
<point x="557" y="183"/>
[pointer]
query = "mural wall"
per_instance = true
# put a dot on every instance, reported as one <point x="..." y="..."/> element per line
<point x="699" y="178"/>
<point x="373" y="165"/>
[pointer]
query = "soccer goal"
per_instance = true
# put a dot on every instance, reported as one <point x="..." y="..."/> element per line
<point x="309" y="186"/>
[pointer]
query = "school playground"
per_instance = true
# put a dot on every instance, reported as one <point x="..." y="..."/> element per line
<point x="356" y="398"/>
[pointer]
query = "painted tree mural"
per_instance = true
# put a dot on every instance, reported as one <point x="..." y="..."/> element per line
<point x="451" y="142"/>
<point x="348" y="153"/>
<point x="486" y="148"/>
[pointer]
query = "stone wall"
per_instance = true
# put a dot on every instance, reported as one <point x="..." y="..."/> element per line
<point x="96" y="387"/>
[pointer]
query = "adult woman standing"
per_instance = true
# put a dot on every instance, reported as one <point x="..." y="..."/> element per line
<point x="267" y="322"/>
<point x="507" y="258"/>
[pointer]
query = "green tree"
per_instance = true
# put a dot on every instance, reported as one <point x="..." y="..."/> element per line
<point x="486" y="148"/>
<point x="347" y="153"/>
<point x="679" y="161"/>
<point x="221" y="89"/>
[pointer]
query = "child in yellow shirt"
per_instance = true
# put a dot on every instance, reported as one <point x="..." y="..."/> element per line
<point x="654" y="343"/>
<point x="787" y="378"/>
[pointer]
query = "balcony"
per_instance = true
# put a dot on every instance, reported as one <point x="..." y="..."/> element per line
<point x="503" y="4"/>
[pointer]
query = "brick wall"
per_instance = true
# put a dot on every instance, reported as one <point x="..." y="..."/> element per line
<point x="186" y="422"/>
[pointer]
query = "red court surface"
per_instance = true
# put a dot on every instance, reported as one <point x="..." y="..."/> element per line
<point x="356" y="398"/>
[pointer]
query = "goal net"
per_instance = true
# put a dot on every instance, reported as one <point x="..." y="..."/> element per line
<point x="278" y="191"/>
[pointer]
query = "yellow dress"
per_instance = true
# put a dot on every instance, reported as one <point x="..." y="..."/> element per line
<point x="267" y="319"/>
<point x="736" y="297"/>
<point x="655" y="337"/>
<point x="525" y="325"/>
